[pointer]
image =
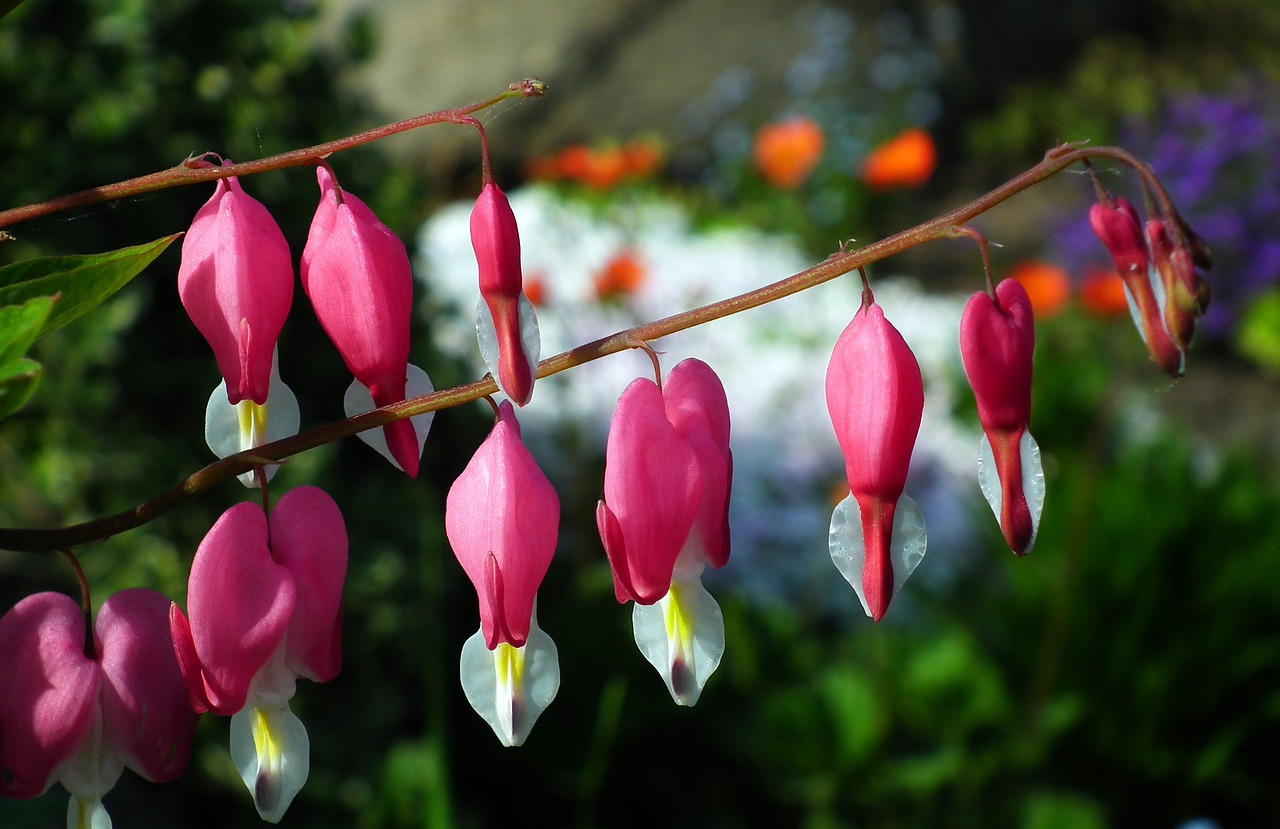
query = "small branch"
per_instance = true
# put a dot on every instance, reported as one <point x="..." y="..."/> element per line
<point x="195" y="170"/>
<point x="944" y="226"/>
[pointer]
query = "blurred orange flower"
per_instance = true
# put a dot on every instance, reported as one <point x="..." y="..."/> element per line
<point x="1047" y="285"/>
<point x="535" y="289"/>
<point x="1102" y="293"/>
<point x="601" y="167"/>
<point x="787" y="151"/>
<point x="907" y="160"/>
<point x="622" y="275"/>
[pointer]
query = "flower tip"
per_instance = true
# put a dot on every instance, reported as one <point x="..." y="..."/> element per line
<point x="402" y="442"/>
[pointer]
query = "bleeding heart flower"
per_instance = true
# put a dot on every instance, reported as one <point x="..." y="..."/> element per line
<point x="502" y="519"/>
<point x="265" y="605"/>
<point x="356" y="273"/>
<point x="997" y="340"/>
<point x="506" y="324"/>
<point x="236" y="282"/>
<point x="79" y="715"/>
<point x="875" y="397"/>
<point x="665" y="516"/>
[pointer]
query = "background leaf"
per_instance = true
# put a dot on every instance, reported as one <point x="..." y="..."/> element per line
<point x="83" y="281"/>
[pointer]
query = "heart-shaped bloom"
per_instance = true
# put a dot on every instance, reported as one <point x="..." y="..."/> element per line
<point x="502" y="519"/>
<point x="997" y="340"/>
<point x="875" y="397"/>
<point x="79" y="718"/>
<point x="1116" y="224"/>
<point x="236" y="282"/>
<point x="265" y="606"/>
<point x="665" y="516"/>
<point x="356" y="273"/>
<point x="506" y="324"/>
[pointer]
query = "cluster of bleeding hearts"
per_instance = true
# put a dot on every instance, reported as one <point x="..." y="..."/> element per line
<point x="264" y="595"/>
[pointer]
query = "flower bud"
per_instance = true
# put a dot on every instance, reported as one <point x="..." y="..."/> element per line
<point x="1118" y="227"/>
<point x="505" y="319"/>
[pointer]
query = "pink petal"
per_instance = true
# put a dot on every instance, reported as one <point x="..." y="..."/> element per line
<point x="997" y="341"/>
<point x="47" y="691"/>
<point x="696" y="405"/>
<point x="875" y="397"/>
<point x="236" y="282"/>
<point x="502" y="519"/>
<point x="239" y="601"/>
<point x="652" y="486"/>
<point x="356" y="273"/>
<point x="144" y="697"/>
<point x="309" y="539"/>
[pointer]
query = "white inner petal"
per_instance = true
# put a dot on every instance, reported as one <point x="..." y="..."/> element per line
<point x="907" y="543"/>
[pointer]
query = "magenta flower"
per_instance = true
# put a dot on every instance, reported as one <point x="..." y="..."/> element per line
<point x="875" y="397"/>
<point x="1117" y="225"/>
<point x="236" y="282"/>
<point x="502" y="519"/>
<point x="79" y="716"/>
<point x="505" y="321"/>
<point x="265" y="605"/>
<point x="997" y="339"/>
<point x="356" y="273"/>
<point x="664" y="517"/>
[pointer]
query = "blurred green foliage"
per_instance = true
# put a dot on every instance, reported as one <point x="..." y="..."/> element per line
<point x="1127" y="673"/>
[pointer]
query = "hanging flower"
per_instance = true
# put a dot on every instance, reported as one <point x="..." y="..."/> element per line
<point x="236" y="283"/>
<point x="356" y="274"/>
<point x="79" y="715"/>
<point x="997" y="339"/>
<point x="875" y="396"/>
<point x="264" y="600"/>
<point x="665" y="516"/>
<point x="1116" y="223"/>
<point x="506" y="324"/>
<point x="502" y="519"/>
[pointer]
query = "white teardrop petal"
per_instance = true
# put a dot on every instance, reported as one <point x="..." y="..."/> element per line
<point x="510" y="687"/>
<point x="907" y="543"/>
<point x="272" y="752"/>
<point x="1033" y="486"/>
<point x="229" y="428"/>
<point x="87" y="814"/>
<point x="487" y="338"/>
<point x="358" y="400"/>
<point x="682" y="636"/>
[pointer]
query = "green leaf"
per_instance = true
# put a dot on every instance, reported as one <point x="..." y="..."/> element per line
<point x="82" y="281"/>
<point x="20" y="325"/>
<point x="18" y="380"/>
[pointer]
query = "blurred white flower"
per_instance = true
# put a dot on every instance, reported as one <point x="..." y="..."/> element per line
<point x="771" y="359"/>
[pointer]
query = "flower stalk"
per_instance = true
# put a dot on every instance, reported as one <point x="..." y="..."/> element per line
<point x="947" y="225"/>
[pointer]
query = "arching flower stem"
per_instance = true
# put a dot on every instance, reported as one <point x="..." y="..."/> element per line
<point x="838" y="264"/>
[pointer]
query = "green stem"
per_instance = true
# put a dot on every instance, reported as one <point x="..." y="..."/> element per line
<point x="838" y="264"/>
